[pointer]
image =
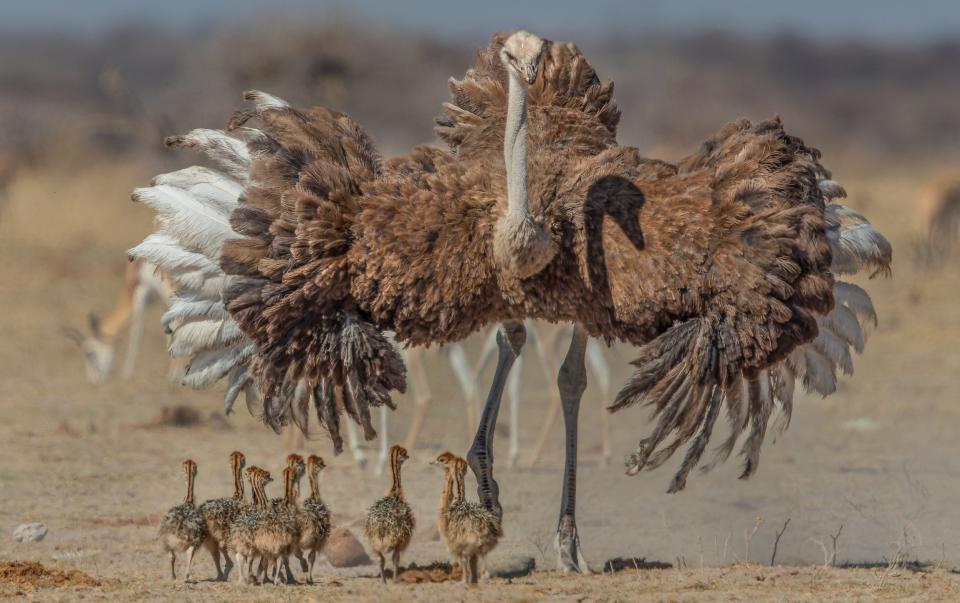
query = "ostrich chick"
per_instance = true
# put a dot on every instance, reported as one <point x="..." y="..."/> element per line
<point x="240" y="539"/>
<point x="390" y="521"/>
<point x="276" y="534"/>
<point x="183" y="528"/>
<point x="470" y="530"/>
<point x="314" y="515"/>
<point x="220" y="513"/>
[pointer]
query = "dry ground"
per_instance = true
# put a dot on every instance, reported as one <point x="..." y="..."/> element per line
<point x="879" y="458"/>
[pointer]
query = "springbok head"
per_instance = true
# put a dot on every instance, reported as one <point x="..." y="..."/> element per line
<point x="98" y="352"/>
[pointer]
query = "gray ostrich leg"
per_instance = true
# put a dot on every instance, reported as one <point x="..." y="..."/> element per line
<point x="572" y="381"/>
<point x="510" y="339"/>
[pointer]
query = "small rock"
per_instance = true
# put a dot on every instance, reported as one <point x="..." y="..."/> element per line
<point x="344" y="550"/>
<point x="30" y="532"/>
<point x="511" y="566"/>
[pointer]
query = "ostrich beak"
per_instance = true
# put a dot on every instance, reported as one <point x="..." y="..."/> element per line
<point x="529" y="74"/>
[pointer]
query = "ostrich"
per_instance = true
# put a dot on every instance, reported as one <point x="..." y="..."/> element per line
<point x="470" y="530"/>
<point x="220" y="513"/>
<point x="182" y="527"/>
<point x="390" y="522"/>
<point x="720" y="268"/>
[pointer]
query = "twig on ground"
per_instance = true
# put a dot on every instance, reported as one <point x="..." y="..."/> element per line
<point x="748" y="537"/>
<point x="776" y="542"/>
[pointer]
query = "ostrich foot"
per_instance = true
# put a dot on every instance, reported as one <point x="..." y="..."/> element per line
<point x="567" y="542"/>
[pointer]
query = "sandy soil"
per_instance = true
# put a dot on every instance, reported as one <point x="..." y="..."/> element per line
<point x="879" y="458"/>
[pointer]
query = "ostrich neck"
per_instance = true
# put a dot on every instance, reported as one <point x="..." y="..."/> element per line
<point x="189" y="498"/>
<point x="515" y="148"/>
<point x="290" y="488"/>
<point x="396" y="489"/>
<point x="237" y="482"/>
<point x="457" y="496"/>
<point x="314" y="486"/>
<point x="447" y="498"/>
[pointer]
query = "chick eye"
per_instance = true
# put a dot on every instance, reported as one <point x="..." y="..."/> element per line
<point x="509" y="56"/>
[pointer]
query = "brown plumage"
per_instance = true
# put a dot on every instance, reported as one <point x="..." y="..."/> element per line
<point x="182" y="528"/>
<point x="390" y="522"/>
<point x="470" y="530"/>
<point x="721" y="267"/>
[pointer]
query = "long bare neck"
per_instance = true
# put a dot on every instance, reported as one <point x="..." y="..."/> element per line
<point x="189" y="498"/>
<point x="395" y="489"/>
<point x="314" y="485"/>
<point x="515" y="147"/>
<point x="237" y="481"/>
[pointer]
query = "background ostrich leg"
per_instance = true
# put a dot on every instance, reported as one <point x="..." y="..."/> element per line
<point x="571" y="381"/>
<point x="421" y="397"/>
<point x="600" y="370"/>
<point x="510" y="339"/>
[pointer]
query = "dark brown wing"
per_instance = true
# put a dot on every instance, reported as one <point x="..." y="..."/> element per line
<point x="290" y="293"/>
<point x="768" y="310"/>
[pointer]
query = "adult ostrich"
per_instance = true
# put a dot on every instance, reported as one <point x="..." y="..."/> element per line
<point x="305" y="247"/>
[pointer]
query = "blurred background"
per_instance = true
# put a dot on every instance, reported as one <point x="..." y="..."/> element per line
<point x="89" y="89"/>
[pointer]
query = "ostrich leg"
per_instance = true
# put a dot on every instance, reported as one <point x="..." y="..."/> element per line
<point x="513" y="395"/>
<point x="571" y="381"/>
<point x="420" y="386"/>
<point x="600" y="370"/>
<point x="510" y="339"/>
<point x="384" y="453"/>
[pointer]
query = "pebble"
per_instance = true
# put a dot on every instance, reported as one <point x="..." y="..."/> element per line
<point x="30" y="532"/>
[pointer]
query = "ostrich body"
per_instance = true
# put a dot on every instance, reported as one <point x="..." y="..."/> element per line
<point x="721" y="268"/>
<point x="314" y="516"/>
<point x="241" y="537"/>
<point x="277" y="535"/>
<point x="182" y="528"/>
<point x="220" y="513"/>
<point x="390" y="522"/>
<point x="470" y="530"/>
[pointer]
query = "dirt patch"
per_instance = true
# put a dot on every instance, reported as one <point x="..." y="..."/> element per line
<point x="32" y="575"/>
<point x="433" y="572"/>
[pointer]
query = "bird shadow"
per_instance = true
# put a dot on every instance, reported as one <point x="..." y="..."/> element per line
<point x="620" y="200"/>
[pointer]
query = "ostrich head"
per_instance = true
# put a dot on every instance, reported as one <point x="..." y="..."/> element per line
<point x="521" y="55"/>
<point x="295" y="461"/>
<point x="399" y="453"/>
<point x="444" y="460"/>
<point x="237" y="459"/>
<point x="315" y="464"/>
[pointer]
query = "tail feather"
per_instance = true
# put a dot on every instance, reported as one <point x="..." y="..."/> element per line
<point x="229" y="153"/>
